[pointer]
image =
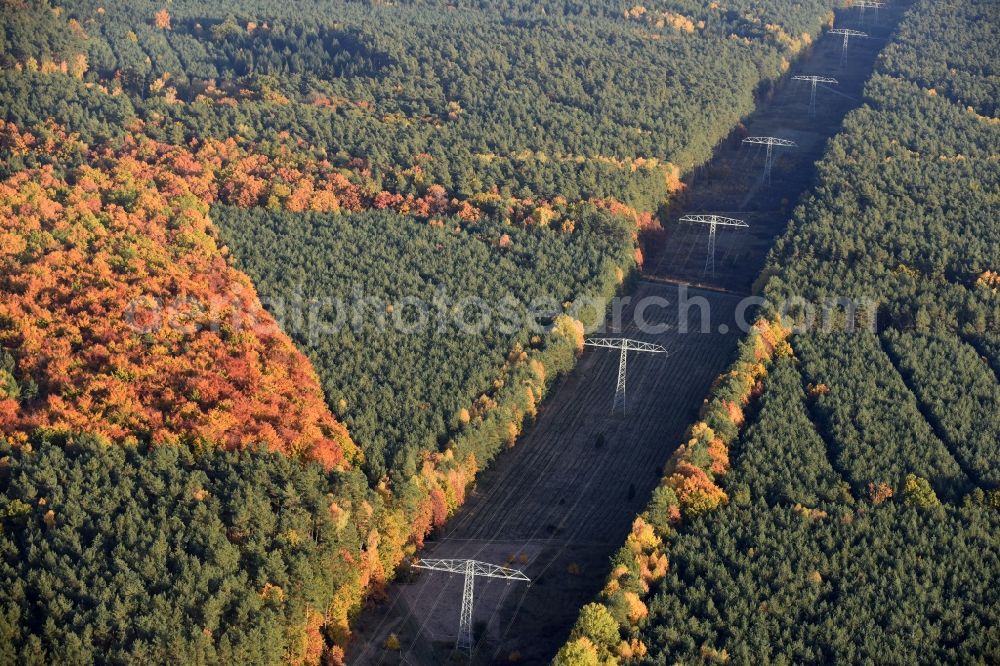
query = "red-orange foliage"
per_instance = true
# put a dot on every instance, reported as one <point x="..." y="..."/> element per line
<point x="223" y="171"/>
<point x="990" y="280"/>
<point x="288" y="178"/>
<point x="116" y="301"/>
<point x="439" y="508"/>
<point x="467" y="211"/>
<point x="636" y="608"/>
<point x="162" y="19"/>
<point x="768" y="339"/>
<point x="734" y="412"/>
<point x="387" y="200"/>
<point x="695" y="490"/>
<point x="311" y="649"/>
<point x="643" y="220"/>
<point x="879" y="492"/>
<point x="719" y="453"/>
<point x="816" y="390"/>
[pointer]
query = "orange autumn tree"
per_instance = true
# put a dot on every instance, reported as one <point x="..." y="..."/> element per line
<point x="116" y="301"/>
<point x="162" y="19"/>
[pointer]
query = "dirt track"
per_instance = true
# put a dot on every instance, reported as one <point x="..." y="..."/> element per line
<point x="559" y="504"/>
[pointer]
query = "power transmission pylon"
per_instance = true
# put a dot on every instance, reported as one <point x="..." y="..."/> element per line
<point x="713" y="221"/>
<point x="770" y="142"/>
<point x="625" y="345"/>
<point x="470" y="569"/>
<point x="812" y="95"/>
<point x="847" y="33"/>
<point x="867" y="4"/>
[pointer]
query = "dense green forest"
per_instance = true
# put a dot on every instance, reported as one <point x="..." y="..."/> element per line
<point x="858" y="519"/>
<point x="125" y="555"/>
<point x="573" y="99"/>
<point x="858" y="381"/>
<point x="961" y="65"/>
<point x="916" y="235"/>
<point x="427" y="365"/>
<point x="988" y="344"/>
<point x="960" y="394"/>
<point x="797" y="570"/>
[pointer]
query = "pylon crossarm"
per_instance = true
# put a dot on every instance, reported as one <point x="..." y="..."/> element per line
<point x="815" y="79"/>
<point x="847" y="32"/>
<point x="619" y="343"/>
<point x="478" y="568"/>
<point x="713" y="219"/>
<point x="770" y="141"/>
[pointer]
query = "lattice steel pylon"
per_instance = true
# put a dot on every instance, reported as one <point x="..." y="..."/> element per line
<point x="815" y="80"/>
<point x="470" y="569"/>
<point x="625" y="345"/>
<point x="847" y="33"/>
<point x="770" y="142"/>
<point x="713" y="221"/>
<point x="867" y="4"/>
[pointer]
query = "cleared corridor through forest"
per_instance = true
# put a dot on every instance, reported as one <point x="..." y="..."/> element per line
<point x="561" y="502"/>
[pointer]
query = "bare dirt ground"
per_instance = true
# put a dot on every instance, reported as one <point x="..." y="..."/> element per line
<point x="560" y="503"/>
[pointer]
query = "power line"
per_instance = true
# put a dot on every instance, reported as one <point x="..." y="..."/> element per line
<point x="847" y="33"/>
<point x="814" y="79"/>
<point x="625" y="345"/>
<point x="770" y="142"/>
<point x="470" y="569"/>
<point x="867" y="4"/>
<point x="713" y="221"/>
